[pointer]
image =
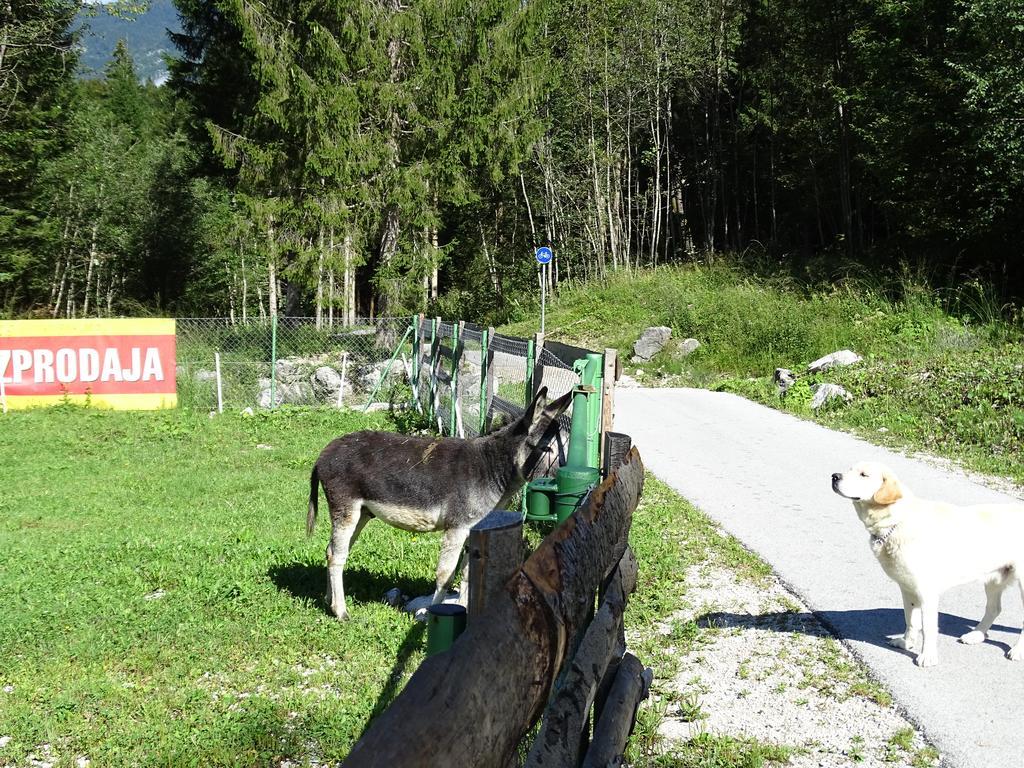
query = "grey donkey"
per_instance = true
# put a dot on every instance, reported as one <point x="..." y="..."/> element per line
<point x="425" y="484"/>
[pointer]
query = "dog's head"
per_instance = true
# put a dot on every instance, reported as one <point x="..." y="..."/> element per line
<point x="534" y="430"/>
<point x="870" y="482"/>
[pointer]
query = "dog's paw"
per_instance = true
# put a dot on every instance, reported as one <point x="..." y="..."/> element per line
<point x="927" y="659"/>
<point x="973" y="637"/>
<point x="1016" y="653"/>
<point x="900" y="641"/>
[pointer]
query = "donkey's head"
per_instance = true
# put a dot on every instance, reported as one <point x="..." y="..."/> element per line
<point x="533" y="432"/>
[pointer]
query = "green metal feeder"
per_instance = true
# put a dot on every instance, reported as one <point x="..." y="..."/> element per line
<point x="540" y="495"/>
<point x="578" y="476"/>
<point x="445" y="622"/>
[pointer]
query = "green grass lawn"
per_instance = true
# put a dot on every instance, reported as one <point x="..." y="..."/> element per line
<point x="160" y="603"/>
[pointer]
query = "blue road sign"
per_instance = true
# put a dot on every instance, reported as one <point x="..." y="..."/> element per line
<point x="543" y="255"/>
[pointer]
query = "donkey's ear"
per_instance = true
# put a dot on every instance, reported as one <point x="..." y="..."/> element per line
<point x="529" y="415"/>
<point x="551" y="411"/>
<point x="890" y="492"/>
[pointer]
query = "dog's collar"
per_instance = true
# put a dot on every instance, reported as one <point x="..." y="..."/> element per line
<point x="879" y="541"/>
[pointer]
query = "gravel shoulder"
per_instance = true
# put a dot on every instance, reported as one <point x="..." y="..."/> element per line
<point x="764" y="668"/>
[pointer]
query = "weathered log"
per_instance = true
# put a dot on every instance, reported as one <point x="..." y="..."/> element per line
<point x="611" y="734"/>
<point x="494" y="551"/>
<point x="470" y="705"/>
<point x="558" y="743"/>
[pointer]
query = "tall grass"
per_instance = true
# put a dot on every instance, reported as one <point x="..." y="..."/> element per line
<point x="943" y="368"/>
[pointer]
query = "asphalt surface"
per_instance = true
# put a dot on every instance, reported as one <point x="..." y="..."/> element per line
<point x="765" y="477"/>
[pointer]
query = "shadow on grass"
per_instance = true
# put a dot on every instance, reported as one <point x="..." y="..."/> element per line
<point x="307" y="582"/>
<point x="414" y="640"/>
<point x="866" y="626"/>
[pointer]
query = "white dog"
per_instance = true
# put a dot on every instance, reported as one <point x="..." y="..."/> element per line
<point x="927" y="547"/>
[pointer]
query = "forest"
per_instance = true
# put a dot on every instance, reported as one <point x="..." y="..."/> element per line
<point x="341" y="159"/>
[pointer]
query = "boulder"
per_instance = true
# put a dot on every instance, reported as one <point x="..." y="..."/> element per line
<point x="651" y="342"/>
<point x="291" y="393"/>
<point x="371" y="374"/>
<point x="842" y="357"/>
<point x="325" y="382"/>
<point x="688" y="346"/>
<point x="825" y="392"/>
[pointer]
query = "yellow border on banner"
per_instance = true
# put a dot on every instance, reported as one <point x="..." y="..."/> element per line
<point x="137" y="402"/>
<point x="122" y="326"/>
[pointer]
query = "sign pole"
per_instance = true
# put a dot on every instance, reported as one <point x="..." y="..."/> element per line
<point x="543" y="256"/>
<point x="543" y="295"/>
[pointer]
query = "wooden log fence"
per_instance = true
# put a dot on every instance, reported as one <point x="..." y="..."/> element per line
<point x="536" y="648"/>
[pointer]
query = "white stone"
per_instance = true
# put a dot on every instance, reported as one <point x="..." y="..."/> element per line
<point x="651" y="342"/>
<point x="842" y="357"/>
<point x="825" y="392"/>
<point x="688" y="346"/>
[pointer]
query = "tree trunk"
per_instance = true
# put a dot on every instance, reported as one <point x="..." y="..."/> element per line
<point x="89" y="268"/>
<point x="611" y="733"/>
<point x="558" y="742"/>
<point x="271" y="272"/>
<point x="499" y="673"/>
<point x="245" y="289"/>
<point x="320" y="282"/>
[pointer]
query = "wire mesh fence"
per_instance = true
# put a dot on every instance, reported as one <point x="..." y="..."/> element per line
<point x="464" y="378"/>
<point x="264" y="364"/>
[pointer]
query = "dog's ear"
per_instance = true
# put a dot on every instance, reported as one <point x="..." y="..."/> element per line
<point x="890" y="492"/>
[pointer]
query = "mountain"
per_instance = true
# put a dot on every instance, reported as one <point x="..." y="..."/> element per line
<point x="145" y="33"/>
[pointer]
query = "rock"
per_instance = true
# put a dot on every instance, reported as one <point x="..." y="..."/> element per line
<point x="627" y="382"/>
<point x="370" y="376"/>
<point x="825" y="392"/>
<point x="286" y="370"/>
<point x="784" y="379"/>
<point x="651" y="342"/>
<point x="202" y="375"/>
<point x="248" y="411"/>
<point x="326" y="382"/>
<point x="688" y="346"/>
<point x="842" y="357"/>
<point x="395" y="598"/>
<point x="292" y="393"/>
<point x="418" y="605"/>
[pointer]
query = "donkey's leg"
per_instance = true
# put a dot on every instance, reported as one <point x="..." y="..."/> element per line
<point x="345" y="528"/>
<point x="451" y="548"/>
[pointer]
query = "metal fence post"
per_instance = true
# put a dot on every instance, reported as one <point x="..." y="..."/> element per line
<point x="273" y="361"/>
<point x="454" y="397"/>
<point x="529" y="371"/>
<point x="483" y="381"/>
<point x="416" y="322"/>
<point x="434" y="349"/>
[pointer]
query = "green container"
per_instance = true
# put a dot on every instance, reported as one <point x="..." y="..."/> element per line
<point x="573" y="482"/>
<point x="539" y="496"/>
<point x="445" y="622"/>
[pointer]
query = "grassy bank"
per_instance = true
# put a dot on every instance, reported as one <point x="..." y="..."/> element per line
<point x="942" y="371"/>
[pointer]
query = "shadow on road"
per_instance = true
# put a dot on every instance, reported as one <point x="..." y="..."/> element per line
<point x="866" y="626"/>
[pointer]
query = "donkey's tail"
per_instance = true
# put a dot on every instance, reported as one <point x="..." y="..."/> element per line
<point x="314" y="492"/>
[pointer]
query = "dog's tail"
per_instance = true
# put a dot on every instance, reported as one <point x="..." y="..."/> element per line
<point x="314" y="493"/>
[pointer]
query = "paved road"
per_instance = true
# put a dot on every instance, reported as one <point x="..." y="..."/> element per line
<point x="765" y="477"/>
